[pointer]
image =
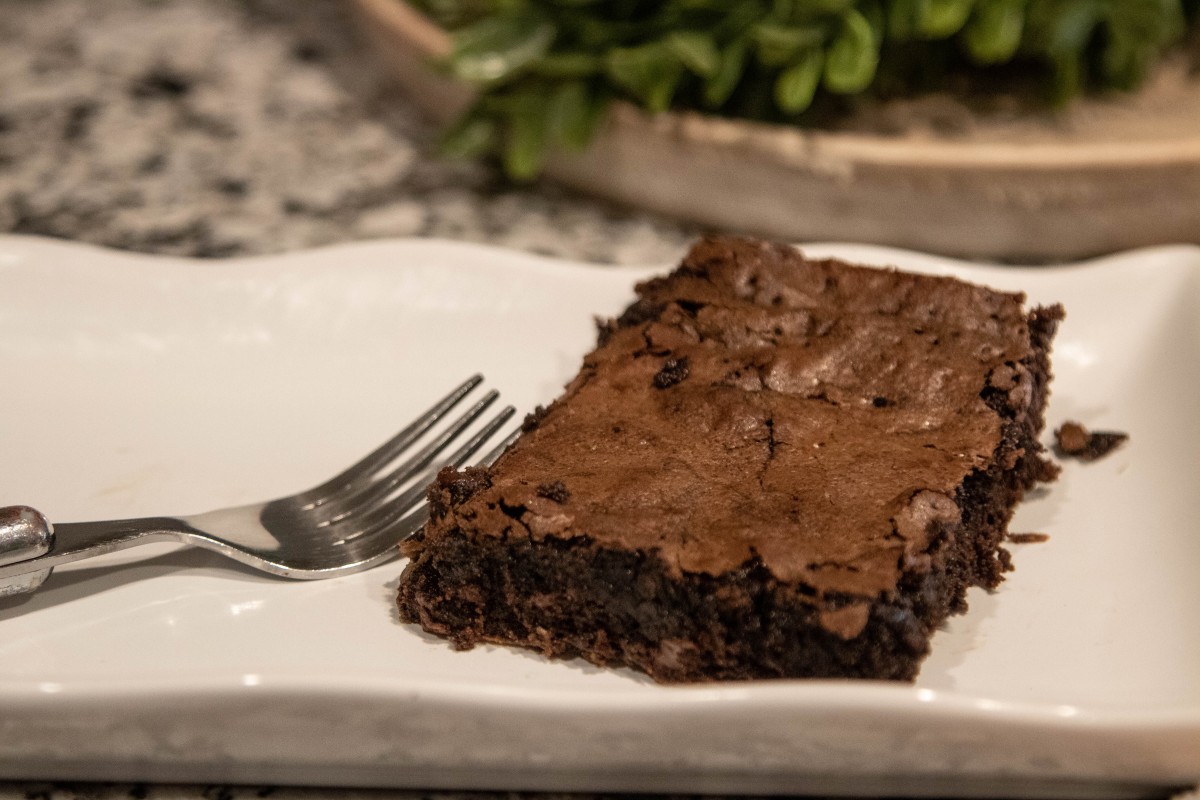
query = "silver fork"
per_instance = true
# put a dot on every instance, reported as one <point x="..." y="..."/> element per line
<point x="350" y="523"/>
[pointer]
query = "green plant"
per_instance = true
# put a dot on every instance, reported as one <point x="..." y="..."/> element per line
<point x="547" y="70"/>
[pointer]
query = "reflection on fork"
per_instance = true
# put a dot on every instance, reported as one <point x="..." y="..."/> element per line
<point x="349" y="523"/>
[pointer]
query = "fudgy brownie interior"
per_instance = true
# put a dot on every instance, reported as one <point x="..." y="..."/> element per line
<point x="770" y="467"/>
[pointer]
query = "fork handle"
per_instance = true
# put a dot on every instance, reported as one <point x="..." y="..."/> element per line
<point x="24" y="534"/>
<point x="30" y="546"/>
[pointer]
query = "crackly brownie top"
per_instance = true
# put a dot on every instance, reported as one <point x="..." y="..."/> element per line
<point x="755" y="404"/>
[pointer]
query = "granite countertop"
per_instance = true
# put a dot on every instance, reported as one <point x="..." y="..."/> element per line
<point x="216" y="128"/>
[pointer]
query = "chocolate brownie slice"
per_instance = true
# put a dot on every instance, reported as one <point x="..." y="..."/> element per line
<point x="771" y="466"/>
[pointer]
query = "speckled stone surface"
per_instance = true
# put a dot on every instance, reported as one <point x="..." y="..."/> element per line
<point x="217" y="128"/>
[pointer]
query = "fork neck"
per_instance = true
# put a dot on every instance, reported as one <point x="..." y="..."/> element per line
<point x="73" y="541"/>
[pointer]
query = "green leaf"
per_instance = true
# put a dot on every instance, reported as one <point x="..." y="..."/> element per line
<point x="777" y="45"/>
<point x="650" y="72"/>
<point x="797" y="85"/>
<point x="1073" y="26"/>
<point x="903" y="18"/>
<point x="738" y="18"/>
<point x="1068" y="77"/>
<point x="596" y="31"/>
<point x="853" y="57"/>
<point x="994" y="32"/>
<point x="574" y="115"/>
<point x="567" y="65"/>
<point x="873" y="12"/>
<point x="497" y="48"/>
<point x="472" y="136"/>
<point x="527" y="137"/>
<point x="698" y="51"/>
<point x="812" y="8"/>
<point x="1125" y="59"/>
<point x="943" y="18"/>
<point x="1137" y="31"/>
<point x="720" y="86"/>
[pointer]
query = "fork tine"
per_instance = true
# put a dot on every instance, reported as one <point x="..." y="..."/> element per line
<point x="460" y="456"/>
<point x="344" y="556"/>
<point x="361" y="494"/>
<point x="367" y="519"/>
<point x="381" y="544"/>
<point x="378" y="458"/>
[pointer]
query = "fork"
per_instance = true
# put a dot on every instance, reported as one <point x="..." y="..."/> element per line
<point x="347" y="524"/>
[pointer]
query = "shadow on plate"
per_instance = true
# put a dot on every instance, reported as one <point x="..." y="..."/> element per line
<point x="68" y="585"/>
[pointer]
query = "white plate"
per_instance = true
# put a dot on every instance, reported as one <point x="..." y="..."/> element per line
<point x="138" y="385"/>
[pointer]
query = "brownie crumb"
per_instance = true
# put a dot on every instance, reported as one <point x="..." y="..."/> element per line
<point x="641" y="311"/>
<point x="308" y="52"/>
<point x="674" y="371"/>
<point x="1074" y="440"/>
<point x="1005" y="560"/>
<point x="453" y="487"/>
<point x="234" y="187"/>
<point x="464" y="484"/>
<point x="78" y="120"/>
<point x="556" y="491"/>
<point x="1028" y="538"/>
<point x="533" y="418"/>
<point x="161" y="82"/>
<point x="604" y="329"/>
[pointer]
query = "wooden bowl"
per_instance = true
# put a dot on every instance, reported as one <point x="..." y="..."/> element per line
<point x="1110" y="175"/>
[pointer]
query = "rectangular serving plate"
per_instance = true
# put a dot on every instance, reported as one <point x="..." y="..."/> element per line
<point x="148" y="385"/>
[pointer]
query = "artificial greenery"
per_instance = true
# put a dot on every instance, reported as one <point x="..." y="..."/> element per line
<point x="548" y="70"/>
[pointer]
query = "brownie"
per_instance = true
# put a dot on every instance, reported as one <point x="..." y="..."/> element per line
<point x="770" y="467"/>
<point x="1073" y="440"/>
